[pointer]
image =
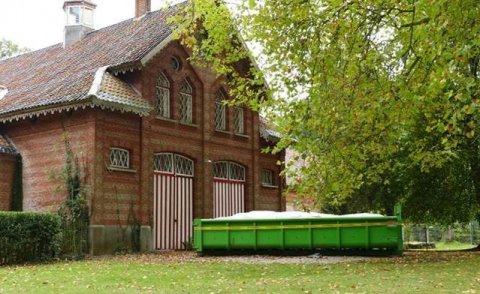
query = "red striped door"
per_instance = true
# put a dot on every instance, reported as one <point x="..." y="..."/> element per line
<point x="228" y="189"/>
<point x="173" y="204"/>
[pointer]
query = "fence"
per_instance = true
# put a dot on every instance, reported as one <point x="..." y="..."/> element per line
<point x="463" y="233"/>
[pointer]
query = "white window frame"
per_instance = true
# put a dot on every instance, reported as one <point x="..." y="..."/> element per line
<point x="162" y="97"/>
<point x="239" y="120"/>
<point x="116" y="160"/>
<point x="220" y="112"/>
<point x="186" y="102"/>
<point x="177" y="164"/>
<point x="230" y="170"/>
<point x="82" y="16"/>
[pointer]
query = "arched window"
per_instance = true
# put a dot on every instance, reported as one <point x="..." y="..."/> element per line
<point x="171" y="163"/>
<point x="220" y="112"/>
<point x="185" y="102"/>
<point x="229" y="171"/>
<point x="162" y="98"/>
<point x="238" y="120"/>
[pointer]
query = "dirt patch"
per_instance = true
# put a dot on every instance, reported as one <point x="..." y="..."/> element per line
<point x="265" y="259"/>
<point x="189" y="256"/>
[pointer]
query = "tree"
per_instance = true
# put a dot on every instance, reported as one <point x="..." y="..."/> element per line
<point x="8" y="49"/>
<point x="380" y="98"/>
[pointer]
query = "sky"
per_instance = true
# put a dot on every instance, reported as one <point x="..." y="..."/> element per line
<point x="36" y="24"/>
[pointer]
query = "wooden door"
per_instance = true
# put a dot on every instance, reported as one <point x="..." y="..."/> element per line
<point x="228" y="188"/>
<point x="173" y="200"/>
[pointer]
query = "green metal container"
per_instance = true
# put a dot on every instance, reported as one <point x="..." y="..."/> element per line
<point x="361" y="233"/>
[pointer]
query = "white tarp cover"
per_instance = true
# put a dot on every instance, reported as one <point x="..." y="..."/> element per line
<point x="266" y="214"/>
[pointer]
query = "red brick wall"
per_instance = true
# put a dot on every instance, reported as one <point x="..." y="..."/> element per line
<point x="7" y="172"/>
<point x="116" y="192"/>
<point x="118" y="195"/>
<point x="271" y="198"/>
<point x="41" y="145"/>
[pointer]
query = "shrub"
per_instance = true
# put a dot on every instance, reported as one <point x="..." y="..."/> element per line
<point x="28" y="237"/>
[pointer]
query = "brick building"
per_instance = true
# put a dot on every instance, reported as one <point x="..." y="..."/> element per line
<point x="156" y="145"/>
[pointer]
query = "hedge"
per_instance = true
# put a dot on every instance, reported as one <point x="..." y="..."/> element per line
<point x="28" y="237"/>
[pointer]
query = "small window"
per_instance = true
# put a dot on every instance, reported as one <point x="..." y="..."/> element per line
<point x="220" y="112"/>
<point x="174" y="63"/>
<point x="185" y="102"/>
<point x="163" y="96"/>
<point x="267" y="178"/>
<point x="238" y="120"/>
<point x="73" y="15"/>
<point x="119" y="158"/>
<point x="88" y="16"/>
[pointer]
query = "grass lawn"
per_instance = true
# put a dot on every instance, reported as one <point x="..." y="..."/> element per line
<point x="416" y="272"/>
<point x="455" y="245"/>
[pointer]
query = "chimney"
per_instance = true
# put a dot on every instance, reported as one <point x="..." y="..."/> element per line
<point x="78" y="20"/>
<point x="142" y="7"/>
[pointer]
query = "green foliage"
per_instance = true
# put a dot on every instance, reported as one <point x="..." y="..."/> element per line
<point x="74" y="212"/>
<point x="7" y="49"/>
<point x="28" y="237"/>
<point x="379" y="98"/>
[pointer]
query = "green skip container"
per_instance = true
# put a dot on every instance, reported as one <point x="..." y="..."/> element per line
<point x="381" y="234"/>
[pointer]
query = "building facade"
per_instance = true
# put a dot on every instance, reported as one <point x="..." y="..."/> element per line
<point x="156" y="144"/>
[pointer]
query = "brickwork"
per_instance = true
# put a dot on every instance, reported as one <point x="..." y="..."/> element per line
<point x="7" y="170"/>
<point x="269" y="198"/>
<point x="142" y="7"/>
<point x="122" y="195"/>
<point x="41" y="145"/>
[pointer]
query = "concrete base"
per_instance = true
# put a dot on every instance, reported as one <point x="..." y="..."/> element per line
<point x="108" y="239"/>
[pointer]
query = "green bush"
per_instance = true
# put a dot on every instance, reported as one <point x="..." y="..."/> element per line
<point x="28" y="237"/>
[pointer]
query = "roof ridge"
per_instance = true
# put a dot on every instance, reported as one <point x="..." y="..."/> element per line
<point x="148" y="14"/>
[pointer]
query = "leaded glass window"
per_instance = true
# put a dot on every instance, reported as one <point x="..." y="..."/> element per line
<point x="174" y="164"/>
<point x="238" y="120"/>
<point x="220" y="170"/>
<point x="185" y="102"/>
<point x="183" y="166"/>
<point x="220" y="112"/>
<point x="267" y="178"/>
<point x="119" y="158"/>
<point x="163" y="96"/>
<point x="163" y="162"/>
<point x="229" y="171"/>
<point x="237" y="172"/>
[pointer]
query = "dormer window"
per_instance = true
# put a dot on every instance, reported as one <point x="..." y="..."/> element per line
<point x="79" y="13"/>
<point x="3" y="92"/>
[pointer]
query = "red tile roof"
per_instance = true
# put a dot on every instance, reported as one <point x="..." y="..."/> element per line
<point x="56" y="76"/>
